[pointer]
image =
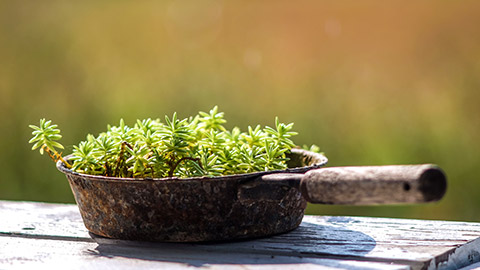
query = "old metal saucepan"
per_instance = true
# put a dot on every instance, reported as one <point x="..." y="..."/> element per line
<point x="241" y="206"/>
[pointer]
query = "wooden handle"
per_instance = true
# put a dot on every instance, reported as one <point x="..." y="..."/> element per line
<point x="372" y="185"/>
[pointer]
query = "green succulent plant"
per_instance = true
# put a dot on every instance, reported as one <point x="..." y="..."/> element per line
<point x="190" y="147"/>
<point x="45" y="138"/>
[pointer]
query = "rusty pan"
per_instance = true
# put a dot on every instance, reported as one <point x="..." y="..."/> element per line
<point x="241" y="206"/>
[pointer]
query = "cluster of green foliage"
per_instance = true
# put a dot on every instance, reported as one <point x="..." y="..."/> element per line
<point x="195" y="146"/>
<point x="45" y="137"/>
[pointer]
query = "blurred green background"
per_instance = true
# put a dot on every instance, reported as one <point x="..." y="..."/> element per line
<point x="370" y="82"/>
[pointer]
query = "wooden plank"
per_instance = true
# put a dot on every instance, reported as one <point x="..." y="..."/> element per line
<point x="30" y="253"/>
<point x="417" y="243"/>
<point x="420" y="244"/>
<point x="42" y="219"/>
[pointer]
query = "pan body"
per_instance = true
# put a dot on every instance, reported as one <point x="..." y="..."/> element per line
<point x="192" y="209"/>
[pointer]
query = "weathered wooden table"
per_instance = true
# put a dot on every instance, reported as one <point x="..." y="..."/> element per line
<point x="34" y="235"/>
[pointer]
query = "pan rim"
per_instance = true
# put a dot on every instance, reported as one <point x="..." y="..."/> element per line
<point x="322" y="161"/>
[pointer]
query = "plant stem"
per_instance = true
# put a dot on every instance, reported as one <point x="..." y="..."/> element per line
<point x="172" y="169"/>
<point x="120" y="158"/>
<point x="55" y="156"/>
